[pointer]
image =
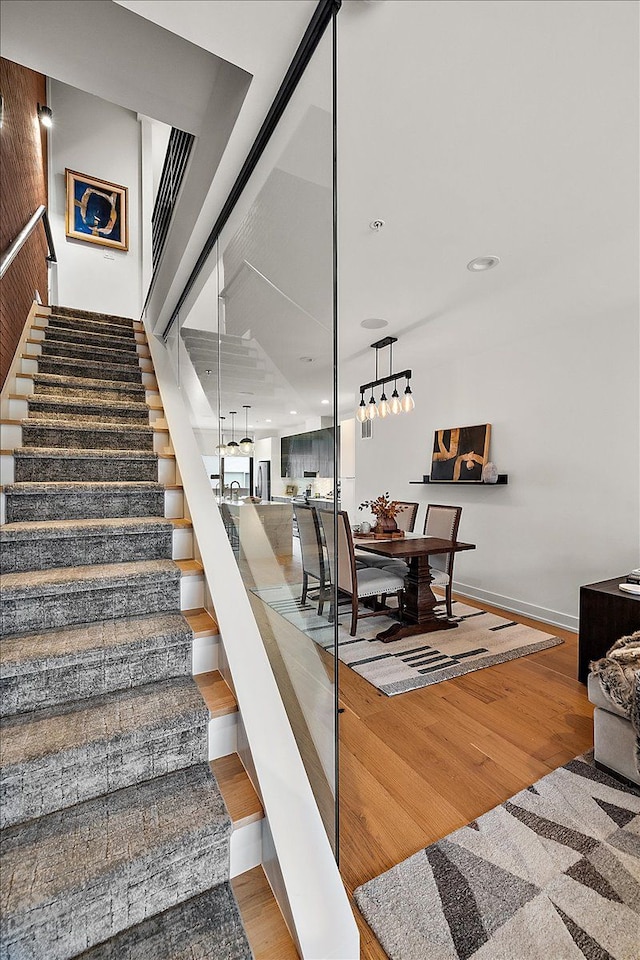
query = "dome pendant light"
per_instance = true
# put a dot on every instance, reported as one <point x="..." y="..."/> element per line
<point x="233" y="449"/>
<point x="408" y="403"/>
<point x="246" y="444"/>
<point x="221" y="449"/>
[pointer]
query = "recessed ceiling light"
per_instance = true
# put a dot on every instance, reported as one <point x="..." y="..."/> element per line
<point x="208" y="372"/>
<point x="482" y="263"/>
<point x="267" y="420"/>
<point x="293" y="412"/>
<point x="325" y="401"/>
<point x="374" y="323"/>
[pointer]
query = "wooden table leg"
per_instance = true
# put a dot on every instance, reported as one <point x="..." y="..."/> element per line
<point x="419" y="605"/>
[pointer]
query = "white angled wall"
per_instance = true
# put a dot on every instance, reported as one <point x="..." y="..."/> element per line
<point x="102" y="140"/>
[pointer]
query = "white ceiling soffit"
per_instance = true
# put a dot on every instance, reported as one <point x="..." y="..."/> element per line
<point x="108" y="51"/>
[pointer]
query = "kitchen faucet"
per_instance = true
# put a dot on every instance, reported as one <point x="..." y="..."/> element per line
<point x="237" y="483"/>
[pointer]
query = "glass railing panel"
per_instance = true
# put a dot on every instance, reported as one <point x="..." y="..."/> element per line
<point x="254" y="352"/>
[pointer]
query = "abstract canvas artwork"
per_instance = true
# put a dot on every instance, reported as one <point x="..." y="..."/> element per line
<point x="97" y="211"/>
<point x="459" y="453"/>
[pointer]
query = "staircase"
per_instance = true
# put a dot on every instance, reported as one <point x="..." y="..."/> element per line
<point x="118" y="842"/>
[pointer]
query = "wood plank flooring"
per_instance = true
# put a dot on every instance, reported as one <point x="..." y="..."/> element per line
<point x="416" y="766"/>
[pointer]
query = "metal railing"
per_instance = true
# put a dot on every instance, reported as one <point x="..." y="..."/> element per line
<point x="16" y="245"/>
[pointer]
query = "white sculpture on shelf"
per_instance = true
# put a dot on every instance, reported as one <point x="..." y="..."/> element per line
<point x="490" y="473"/>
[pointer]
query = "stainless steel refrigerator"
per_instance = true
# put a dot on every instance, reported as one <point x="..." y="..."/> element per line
<point x="263" y="480"/>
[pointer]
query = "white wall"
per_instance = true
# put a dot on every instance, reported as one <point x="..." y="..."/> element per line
<point x="560" y="388"/>
<point x="101" y="139"/>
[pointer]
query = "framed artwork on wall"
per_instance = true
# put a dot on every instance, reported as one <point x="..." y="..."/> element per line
<point x="460" y="453"/>
<point x="97" y="211"/>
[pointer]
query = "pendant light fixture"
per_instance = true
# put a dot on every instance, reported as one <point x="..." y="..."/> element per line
<point x="361" y="412"/>
<point x="246" y="444"/>
<point x="221" y="449"/>
<point x="233" y="449"/>
<point x="370" y="410"/>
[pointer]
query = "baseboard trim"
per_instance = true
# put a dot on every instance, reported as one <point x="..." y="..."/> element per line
<point x="553" y="617"/>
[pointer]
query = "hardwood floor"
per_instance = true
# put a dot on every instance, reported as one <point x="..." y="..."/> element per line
<point x="419" y="765"/>
<point x="416" y="766"/>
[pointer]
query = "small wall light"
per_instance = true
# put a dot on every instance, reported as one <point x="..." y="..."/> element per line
<point x="45" y="116"/>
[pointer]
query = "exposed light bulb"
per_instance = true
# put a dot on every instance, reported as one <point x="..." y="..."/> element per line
<point x="361" y="412"/>
<point x="395" y="405"/>
<point x="383" y="407"/>
<point x="408" y="403"/>
<point x="372" y="410"/>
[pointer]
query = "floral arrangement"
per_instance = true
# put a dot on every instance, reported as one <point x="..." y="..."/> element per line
<point x="383" y="508"/>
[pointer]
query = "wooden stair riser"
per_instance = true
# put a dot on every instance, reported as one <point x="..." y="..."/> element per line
<point x="70" y="758"/>
<point x="46" y="553"/>
<point x="44" y="670"/>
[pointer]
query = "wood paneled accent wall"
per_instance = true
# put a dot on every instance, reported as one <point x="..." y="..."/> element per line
<point x="23" y="166"/>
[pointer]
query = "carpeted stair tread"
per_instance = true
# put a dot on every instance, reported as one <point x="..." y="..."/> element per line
<point x="91" y="315"/>
<point x="62" y="529"/>
<point x="77" y="877"/>
<point x="54" y="409"/>
<point x="86" y="386"/>
<point x="207" y="927"/>
<point x="99" y="369"/>
<point x="69" y="500"/>
<point x="81" y="351"/>
<point x="91" y="327"/>
<point x="76" y="453"/>
<point x="46" y="544"/>
<point x="76" y="579"/>
<point x="62" y="596"/>
<point x="66" y="464"/>
<point x="93" y="435"/>
<point x="59" y="756"/>
<point x="44" y="668"/>
<point x="119" y="339"/>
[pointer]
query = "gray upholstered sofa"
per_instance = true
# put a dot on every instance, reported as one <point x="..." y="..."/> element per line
<point x="614" y="689"/>
<point x="613" y="735"/>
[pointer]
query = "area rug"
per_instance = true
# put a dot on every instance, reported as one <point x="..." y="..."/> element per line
<point x="480" y="640"/>
<point x="552" y="874"/>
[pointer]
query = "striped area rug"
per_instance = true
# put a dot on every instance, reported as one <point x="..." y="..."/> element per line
<point x="480" y="640"/>
<point x="552" y="874"/>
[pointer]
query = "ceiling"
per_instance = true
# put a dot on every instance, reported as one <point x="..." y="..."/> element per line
<point x="471" y="128"/>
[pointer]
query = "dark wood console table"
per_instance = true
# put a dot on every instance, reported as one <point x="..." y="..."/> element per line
<point x="606" y="613"/>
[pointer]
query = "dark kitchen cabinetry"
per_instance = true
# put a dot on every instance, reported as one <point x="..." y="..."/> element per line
<point x="310" y="452"/>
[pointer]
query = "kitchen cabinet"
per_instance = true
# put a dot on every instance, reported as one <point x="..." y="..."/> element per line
<point x="310" y="452"/>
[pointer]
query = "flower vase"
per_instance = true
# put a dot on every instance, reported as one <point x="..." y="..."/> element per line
<point x="386" y="525"/>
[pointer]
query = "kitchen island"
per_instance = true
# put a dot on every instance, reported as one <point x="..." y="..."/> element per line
<point x="264" y="529"/>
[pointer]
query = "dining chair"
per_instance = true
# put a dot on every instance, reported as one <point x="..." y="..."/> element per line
<point x="406" y="520"/>
<point x="312" y="550"/>
<point x="356" y="583"/>
<point x="440" y="521"/>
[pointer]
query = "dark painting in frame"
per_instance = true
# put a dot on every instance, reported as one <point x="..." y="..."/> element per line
<point x="97" y="211"/>
<point x="459" y="453"/>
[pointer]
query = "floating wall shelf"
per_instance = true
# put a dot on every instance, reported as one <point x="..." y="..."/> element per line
<point x="502" y="479"/>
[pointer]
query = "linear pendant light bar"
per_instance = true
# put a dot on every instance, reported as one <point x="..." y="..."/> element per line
<point x="370" y="410"/>
<point x="321" y="18"/>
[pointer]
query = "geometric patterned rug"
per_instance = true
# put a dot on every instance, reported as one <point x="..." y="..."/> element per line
<point x="481" y="640"/>
<point x="552" y="874"/>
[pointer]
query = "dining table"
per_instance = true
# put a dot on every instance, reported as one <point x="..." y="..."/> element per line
<point x="418" y="613"/>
